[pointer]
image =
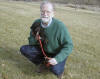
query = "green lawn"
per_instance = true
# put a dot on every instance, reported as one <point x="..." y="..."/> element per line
<point x="84" y="27"/>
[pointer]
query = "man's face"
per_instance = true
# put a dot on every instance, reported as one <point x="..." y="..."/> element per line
<point x="46" y="13"/>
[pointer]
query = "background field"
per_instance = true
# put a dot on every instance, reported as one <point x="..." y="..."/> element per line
<point x="86" y="2"/>
<point x="84" y="27"/>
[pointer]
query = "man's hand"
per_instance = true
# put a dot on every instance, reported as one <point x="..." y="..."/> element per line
<point x="52" y="61"/>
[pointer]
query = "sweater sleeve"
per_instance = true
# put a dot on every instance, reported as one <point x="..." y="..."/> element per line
<point x="65" y="42"/>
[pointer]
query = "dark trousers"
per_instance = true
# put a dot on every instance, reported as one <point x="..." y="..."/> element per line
<point x="34" y="54"/>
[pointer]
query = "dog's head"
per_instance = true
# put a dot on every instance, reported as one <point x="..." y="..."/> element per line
<point x="36" y="27"/>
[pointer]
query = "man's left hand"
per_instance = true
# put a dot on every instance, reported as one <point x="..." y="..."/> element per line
<point x="52" y="61"/>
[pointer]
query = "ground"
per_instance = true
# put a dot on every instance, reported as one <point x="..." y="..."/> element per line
<point x="15" y="21"/>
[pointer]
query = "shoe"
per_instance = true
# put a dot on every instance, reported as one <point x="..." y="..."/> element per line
<point x="60" y="76"/>
<point x="41" y="68"/>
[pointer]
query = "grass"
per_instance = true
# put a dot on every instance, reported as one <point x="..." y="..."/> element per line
<point x="15" y="21"/>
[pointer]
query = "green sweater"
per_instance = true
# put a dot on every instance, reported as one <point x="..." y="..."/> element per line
<point x="59" y="40"/>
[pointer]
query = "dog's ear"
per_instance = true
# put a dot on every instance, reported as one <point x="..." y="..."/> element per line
<point x="35" y="25"/>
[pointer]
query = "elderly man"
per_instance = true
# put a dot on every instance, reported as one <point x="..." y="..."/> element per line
<point x="58" y="43"/>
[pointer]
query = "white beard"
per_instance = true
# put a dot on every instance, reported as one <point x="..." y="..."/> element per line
<point x="45" y="20"/>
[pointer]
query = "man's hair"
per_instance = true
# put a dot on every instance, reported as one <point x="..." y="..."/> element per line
<point x="47" y="2"/>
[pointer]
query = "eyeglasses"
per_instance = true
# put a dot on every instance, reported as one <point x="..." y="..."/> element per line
<point x="43" y="12"/>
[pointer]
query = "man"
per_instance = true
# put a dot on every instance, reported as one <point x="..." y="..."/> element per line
<point x="58" y="43"/>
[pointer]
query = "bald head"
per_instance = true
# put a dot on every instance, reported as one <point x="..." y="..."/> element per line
<point x="47" y="3"/>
